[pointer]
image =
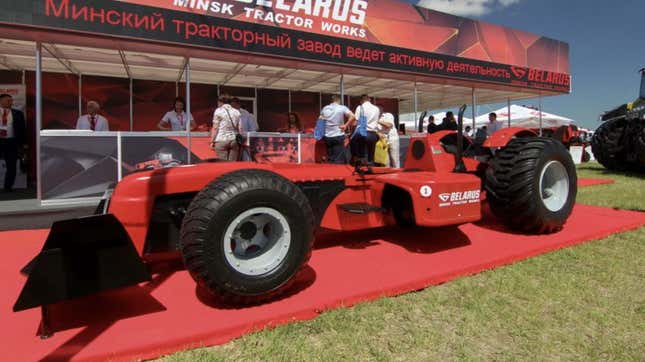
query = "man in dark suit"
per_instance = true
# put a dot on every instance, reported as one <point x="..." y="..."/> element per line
<point x="12" y="138"/>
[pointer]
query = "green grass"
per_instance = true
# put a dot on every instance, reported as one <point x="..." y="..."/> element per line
<point x="628" y="192"/>
<point x="581" y="303"/>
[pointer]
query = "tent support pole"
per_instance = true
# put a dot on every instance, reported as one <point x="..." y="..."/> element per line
<point x="188" y="114"/>
<point x="289" y="100"/>
<point x="131" y="105"/>
<point x="540" y="106"/>
<point x="474" y="110"/>
<point x="418" y="124"/>
<point x="39" y="117"/>
<point x="509" y="112"/>
<point x="80" y="95"/>
<point x="342" y="89"/>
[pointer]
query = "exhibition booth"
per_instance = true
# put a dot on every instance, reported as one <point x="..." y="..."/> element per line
<point x="294" y="237"/>
<point x="134" y="57"/>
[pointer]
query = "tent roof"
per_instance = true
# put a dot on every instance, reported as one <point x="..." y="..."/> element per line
<point x="525" y="117"/>
<point x="65" y="53"/>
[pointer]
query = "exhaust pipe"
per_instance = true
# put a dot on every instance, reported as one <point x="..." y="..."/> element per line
<point x="460" y="167"/>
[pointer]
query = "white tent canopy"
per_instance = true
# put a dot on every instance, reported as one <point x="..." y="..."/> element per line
<point x="525" y="117"/>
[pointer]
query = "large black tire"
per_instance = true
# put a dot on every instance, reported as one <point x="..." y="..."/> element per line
<point x="204" y="245"/>
<point x="521" y="187"/>
<point x="608" y="145"/>
<point x="640" y="145"/>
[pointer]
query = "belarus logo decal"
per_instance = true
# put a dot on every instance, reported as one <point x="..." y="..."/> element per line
<point x="444" y="197"/>
<point x="519" y="72"/>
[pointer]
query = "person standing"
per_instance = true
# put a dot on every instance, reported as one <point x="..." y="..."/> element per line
<point x="293" y="124"/>
<point x="12" y="138"/>
<point x="387" y="128"/>
<point x="176" y="119"/>
<point x="432" y="127"/>
<point x="226" y="127"/>
<point x="93" y="120"/>
<point x="493" y="125"/>
<point x="468" y="131"/>
<point x="449" y="123"/>
<point x="363" y="146"/>
<point x="334" y="115"/>
<point x="248" y="122"/>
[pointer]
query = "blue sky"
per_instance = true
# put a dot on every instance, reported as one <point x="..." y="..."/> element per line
<point x="607" y="41"/>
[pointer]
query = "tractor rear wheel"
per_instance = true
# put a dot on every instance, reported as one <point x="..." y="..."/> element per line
<point x="607" y="145"/>
<point x="247" y="235"/>
<point x="531" y="185"/>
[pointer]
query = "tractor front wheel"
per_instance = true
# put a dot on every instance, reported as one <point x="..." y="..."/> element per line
<point x="531" y="185"/>
<point x="607" y="145"/>
<point x="246" y="236"/>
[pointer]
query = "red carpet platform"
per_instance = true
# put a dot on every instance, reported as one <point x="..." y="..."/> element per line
<point x="170" y="314"/>
<point x="585" y="182"/>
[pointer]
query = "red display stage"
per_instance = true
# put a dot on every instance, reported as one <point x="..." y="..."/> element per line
<point x="585" y="182"/>
<point x="169" y="314"/>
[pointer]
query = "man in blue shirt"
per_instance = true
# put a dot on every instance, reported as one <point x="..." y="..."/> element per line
<point x="334" y="115"/>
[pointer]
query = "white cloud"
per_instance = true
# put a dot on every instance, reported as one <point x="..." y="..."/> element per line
<point x="466" y="7"/>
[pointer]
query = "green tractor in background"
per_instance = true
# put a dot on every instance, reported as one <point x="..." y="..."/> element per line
<point x="619" y="143"/>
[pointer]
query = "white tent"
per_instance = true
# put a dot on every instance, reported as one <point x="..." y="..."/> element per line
<point x="525" y="117"/>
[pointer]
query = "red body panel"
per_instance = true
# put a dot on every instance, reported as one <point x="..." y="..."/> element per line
<point x="439" y="198"/>
<point x="502" y="137"/>
<point x="435" y="158"/>
<point x="134" y="197"/>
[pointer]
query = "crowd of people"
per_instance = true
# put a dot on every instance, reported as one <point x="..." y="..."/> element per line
<point x="341" y="123"/>
<point x="343" y="138"/>
<point x="479" y="135"/>
<point x="231" y="121"/>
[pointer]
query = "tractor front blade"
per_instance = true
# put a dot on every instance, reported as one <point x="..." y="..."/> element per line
<point x="81" y="257"/>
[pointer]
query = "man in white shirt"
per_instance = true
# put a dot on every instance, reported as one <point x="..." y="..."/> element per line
<point x="363" y="146"/>
<point x="247" y="120"/>
<point x="493" y="125"/>
<point x="334" y="115"/>
<point x="176" y="119"/>
<point x="12" y="138"/>
<point x="92" y="120"/>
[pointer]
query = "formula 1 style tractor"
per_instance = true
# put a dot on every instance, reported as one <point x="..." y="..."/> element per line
<point x="619" y="143"/>
<point x="244" y="230"/>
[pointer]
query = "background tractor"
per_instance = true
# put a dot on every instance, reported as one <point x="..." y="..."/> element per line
<point x="619" y="143"/>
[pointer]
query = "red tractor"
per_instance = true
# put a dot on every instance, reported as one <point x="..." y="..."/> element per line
<point x="244" y="230"/>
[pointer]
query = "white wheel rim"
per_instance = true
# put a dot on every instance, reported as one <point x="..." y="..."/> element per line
<point x="554" y="186"/>
<point x="257" y="241"/>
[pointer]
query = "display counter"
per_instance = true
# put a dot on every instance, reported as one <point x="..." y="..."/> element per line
<point x="79" y="166"/>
